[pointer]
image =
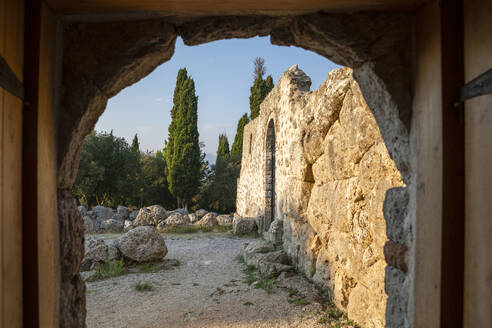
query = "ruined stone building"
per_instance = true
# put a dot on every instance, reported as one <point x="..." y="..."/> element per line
<point x="315" y="162"/>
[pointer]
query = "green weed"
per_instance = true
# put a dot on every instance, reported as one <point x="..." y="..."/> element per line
<point x="143" y="286"/>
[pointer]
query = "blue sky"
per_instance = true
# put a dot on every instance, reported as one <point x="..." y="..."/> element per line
<point x="222" y="71"/>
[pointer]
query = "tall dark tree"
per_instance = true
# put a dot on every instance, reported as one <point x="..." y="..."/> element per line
<point x="269" y="84"/>
<point x="223" y="153"/>
<point x="182" y="151"/>
<point x="260" y="87"/>
<point x="135" y="144"/>
<point x="169" y="147"/>
<point x="218" y="193"/>
<point x="237" y="145"/>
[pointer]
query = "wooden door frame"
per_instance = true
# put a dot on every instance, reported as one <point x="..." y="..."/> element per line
<point x="30" y="270"/>
<point x="453" y="171"/>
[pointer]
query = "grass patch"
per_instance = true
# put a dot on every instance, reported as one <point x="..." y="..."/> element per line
<point x="150" y="267"/>
<point x="191" y="228"/>
<point x="247" y="303"/>
<point x="240" y="259"/>
<point x="249" y="275"/>
<point x="92" y="291"/>
<point x="265" y="284"/>
<point x="292" y="292"/>
<point x="143" y="286"/>
<point x="301" y="301"/>
<point x="111" y="268"/>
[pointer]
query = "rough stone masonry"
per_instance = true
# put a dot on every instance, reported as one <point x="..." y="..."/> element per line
<point x="331" y="171"/>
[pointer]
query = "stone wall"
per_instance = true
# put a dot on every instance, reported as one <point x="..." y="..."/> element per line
<point x="332" y="172"/>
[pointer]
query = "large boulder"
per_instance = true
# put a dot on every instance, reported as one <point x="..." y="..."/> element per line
<point x="209" y="220"/>
<point x="133" y="215"/>
<point x="241" y="226"/>
<point x="82" y="210"/>
<point x="269" y="262"/>
<point x="145" y="217"/>
<point x="89" y="224"/>
<point x="150" y="216"/>
<point x="142" y="244"/>
<point x="193" y="218"/>
<point x="123" y="211"/>
<point x="200" y="213"/>
<point x="159" y="212"/>
<point x="225" y="220"/>
<point x="102" y="212"/>
<point x="182" y="211"/>
<point x="97" y="251"/>
<point x="177" y="219"/>
<point x="112" y="225"/>
<point x="128" y="225"/>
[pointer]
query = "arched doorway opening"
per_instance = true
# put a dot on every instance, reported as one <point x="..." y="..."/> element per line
<point x="135" y="48"/>
<point x="269" y="176"/>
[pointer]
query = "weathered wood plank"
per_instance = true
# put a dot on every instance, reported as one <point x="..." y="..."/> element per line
<point x="46" y="187"/>
<point x="12" y="49"/>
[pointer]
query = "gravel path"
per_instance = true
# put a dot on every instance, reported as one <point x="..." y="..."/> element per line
<point x="205" y="290"/>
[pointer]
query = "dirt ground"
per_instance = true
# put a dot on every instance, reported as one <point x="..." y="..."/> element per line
<point x="207" y="289"/>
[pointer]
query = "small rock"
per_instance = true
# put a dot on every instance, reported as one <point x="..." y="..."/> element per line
<point x="200" y="213"/>
<point x="209" y="220"/>
<point x="241" y="226"/>
<point x="142" y="244"/>
<point x="177" y="219"/>
<point x="82" y="210"/>
<point x="123" y="211"/>
<point x="225" y="220"/>
<point x="113" y="225"/>
<point x="88" y="275"/>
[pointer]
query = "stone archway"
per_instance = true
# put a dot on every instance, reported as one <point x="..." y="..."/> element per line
<point x="269" y="177"/>
<point x="102" y="58"/>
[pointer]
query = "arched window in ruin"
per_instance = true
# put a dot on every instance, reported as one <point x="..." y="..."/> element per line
<point x="269" y="176"/>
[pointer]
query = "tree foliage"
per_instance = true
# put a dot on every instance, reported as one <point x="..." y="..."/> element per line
<point x="182" y="151"/>
<point x="237" y="145"/>
<point x="218" y="192"/>
<point x="260" y="88"/>
<point x="112" y="173"/>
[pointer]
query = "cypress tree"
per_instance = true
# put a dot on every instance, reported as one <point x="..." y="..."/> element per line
<point x="182" y="149"/>
<point x="223" y="153"/>
<point x="260" y="88"/>
<point x="269" y="84"/>
<point x="169" y="147"/>
<point x="135" y="144"/>
<point x="237" y="145"/>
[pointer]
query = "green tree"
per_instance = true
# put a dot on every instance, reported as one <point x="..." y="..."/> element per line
<point x="182" y="151"/>
<point x="106" y="171"/>
<point x="237" y="145"/>
<point x="223" y="153"/>
<point x="269" y="84"/>
<point x="135" y="144"/>
<point x="218" y="193"/>
<point x="260" y="88"/>
<point x="152" y="183"/>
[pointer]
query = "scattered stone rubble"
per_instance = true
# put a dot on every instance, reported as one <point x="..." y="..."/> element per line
<point x="107" y="220"/>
